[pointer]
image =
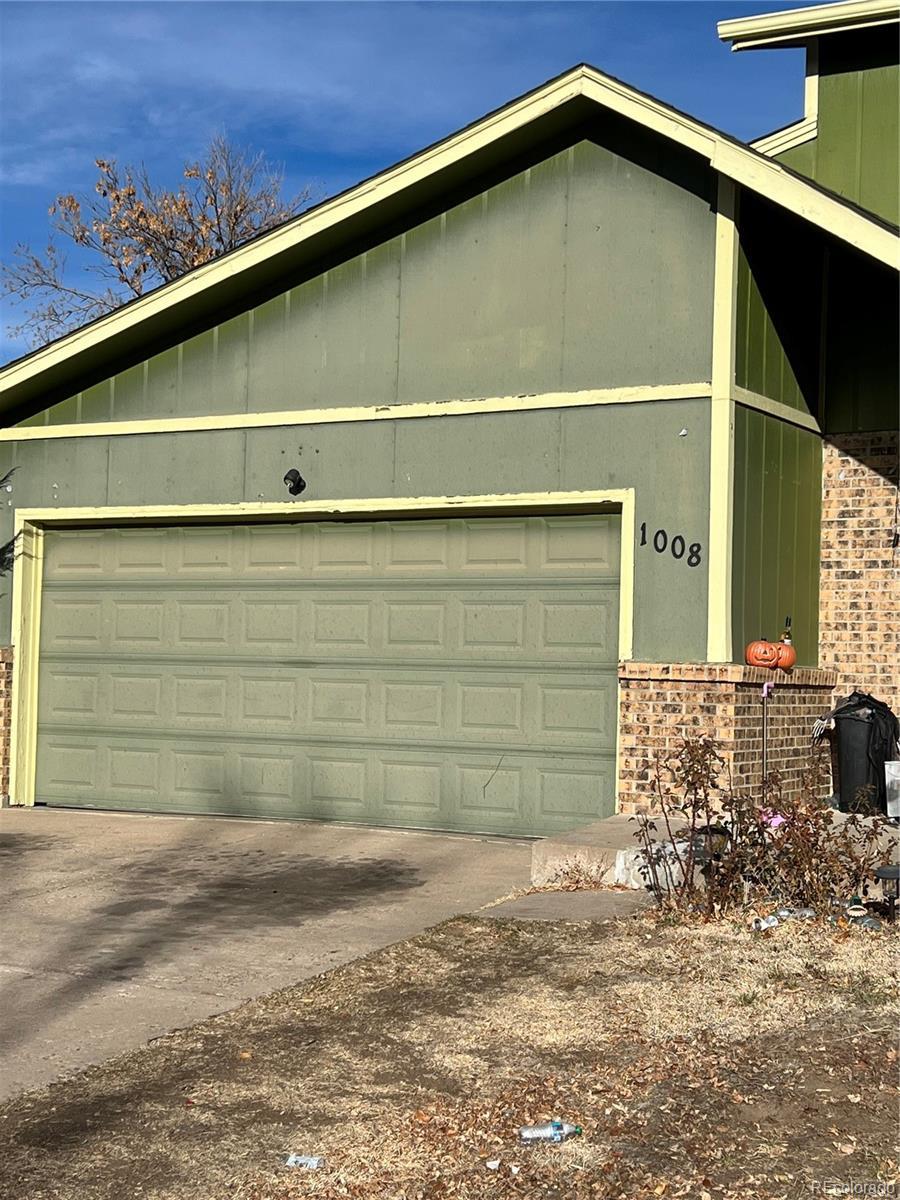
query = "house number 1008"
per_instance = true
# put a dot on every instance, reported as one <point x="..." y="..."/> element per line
<point x="677" y="545"/>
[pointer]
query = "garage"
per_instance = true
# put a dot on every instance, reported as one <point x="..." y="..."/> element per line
<point x="441" y="673"/>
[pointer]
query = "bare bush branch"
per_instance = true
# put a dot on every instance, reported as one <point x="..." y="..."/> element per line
<point x="726" y="847"/>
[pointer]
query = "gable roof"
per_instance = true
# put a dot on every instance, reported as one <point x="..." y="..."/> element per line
<point x="171" y="311"/>
<point x="797" y="26"/>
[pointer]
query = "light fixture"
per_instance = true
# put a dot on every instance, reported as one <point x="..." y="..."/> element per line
<point x="294" y="482"/>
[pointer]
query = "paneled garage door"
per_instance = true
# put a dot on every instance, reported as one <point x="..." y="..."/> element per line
<point x="456" y="674"/>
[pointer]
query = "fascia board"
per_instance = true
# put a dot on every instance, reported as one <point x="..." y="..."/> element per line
<point x="770" y="180"/>
<point x="799" y="24"/>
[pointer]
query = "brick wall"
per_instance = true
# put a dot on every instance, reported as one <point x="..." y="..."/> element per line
<point x="859" y="600"/>
<point x="662" y="703"/>
<point x="6" y="658"/>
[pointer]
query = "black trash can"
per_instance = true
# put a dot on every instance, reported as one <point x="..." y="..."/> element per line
<point x="864" y="735"/>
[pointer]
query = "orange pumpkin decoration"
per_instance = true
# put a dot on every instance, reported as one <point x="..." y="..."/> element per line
<point x="763" y="653"/>
<point x="787" y="655"/>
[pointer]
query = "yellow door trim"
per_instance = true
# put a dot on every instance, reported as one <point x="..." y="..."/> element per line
<point x="365" y="412"/>
<point x="26" y="630"/>
<point x="32" y="523"/>
<point x="721" y="435"/>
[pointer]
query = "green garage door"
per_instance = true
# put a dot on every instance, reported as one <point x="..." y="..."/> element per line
<point x="456" y="674"/>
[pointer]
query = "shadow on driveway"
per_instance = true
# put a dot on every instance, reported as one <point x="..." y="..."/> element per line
<point x="183" y="896"/>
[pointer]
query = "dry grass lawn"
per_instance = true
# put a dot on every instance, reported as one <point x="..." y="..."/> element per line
<point x="702" y="1061"/>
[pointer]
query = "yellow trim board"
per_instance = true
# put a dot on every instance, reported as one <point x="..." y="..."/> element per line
<point x="786" y="139"/>
<point x="399" y="412"/>
<point x="721" y="434"/>
<point x="746" y="166"/>
<point x="26" y="627"/>
<point x="797" y="24"/>
<point x="775" y="408"/>
<point x="811" y="81"/>
<point x="369" y="412"/>
<point x="33" y="522"/>
<point x="767" y="177"/>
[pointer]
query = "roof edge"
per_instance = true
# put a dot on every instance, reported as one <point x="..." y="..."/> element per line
<point x="796" y="26"/>
<point x="787" y="137"/>
<point x="89" y="348"/>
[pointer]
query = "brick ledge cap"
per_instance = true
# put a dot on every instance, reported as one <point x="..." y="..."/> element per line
<point x="821" y="677"/>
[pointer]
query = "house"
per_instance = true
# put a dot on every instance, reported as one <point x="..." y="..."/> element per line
<point x="585" y="396"/>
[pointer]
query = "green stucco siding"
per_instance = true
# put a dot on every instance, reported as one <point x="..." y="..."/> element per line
<point x="586" y="270"/>
<point x="777" y="501"/>
<point x="816" y="321"/>
<point x="800" y="158"/>
<point x="855" y="152"/>
<point x="659" y="449"/>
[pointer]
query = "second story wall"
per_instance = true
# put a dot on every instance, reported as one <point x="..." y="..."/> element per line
<point x="855" y="152"/>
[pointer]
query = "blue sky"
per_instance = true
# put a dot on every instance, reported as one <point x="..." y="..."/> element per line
<point x="335" y="91"/>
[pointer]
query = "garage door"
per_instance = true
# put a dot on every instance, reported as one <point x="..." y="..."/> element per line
<point x="453" y="674"/>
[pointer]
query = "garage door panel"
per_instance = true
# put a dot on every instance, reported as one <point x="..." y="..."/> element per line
<point x="577" y="709"/>
<point x="266" y="780"/>
<point x="454" y="706"/>
<point x="68" y="767"/>
<point x="80" y="554"/>
<point x="136" y="771"/>
<point x="267" y="701"/>
<point x="501" y="625"/>
<point x="511" y="791"/>
<point x="445" y="674"/>
<point x="72" y="621"/>
<point x="69" y="695"/>
<point x="568" y="546"/>
<point x="137" y="624"/>
<point x="137" y="697"/>
<point x="500" y="795"/>
<point x="211" y="553"/>
<point x="567" y="795"/>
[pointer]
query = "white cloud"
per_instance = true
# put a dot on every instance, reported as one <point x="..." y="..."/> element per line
<point x="101" y="69"/>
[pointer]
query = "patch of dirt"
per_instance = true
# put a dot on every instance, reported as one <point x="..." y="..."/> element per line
<point x="702" y="1061"/>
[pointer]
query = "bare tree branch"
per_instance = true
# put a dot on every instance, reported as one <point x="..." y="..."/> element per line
<point x="140" y="236"/>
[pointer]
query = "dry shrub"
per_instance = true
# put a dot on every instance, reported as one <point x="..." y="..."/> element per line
<point x="739" y="847"/>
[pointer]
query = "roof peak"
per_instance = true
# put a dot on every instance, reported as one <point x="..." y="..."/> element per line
<point x="193" y="297"/>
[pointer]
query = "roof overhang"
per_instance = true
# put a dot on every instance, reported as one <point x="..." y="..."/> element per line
<point x="181" y="306"/>
<point x="797" y="26"/>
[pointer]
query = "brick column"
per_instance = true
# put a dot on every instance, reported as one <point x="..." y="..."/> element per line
<point x="663" y="703"/>
<point x="859" y="599"/>
<point x="6" y="661"/>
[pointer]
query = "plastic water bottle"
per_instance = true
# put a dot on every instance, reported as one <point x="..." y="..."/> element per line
<point x="762" y="923"/>
<point x="549" y="1131"/>
<point x="309" y="1162"/>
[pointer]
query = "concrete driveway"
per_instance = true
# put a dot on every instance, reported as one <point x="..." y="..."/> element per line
<point x="117" y="928"/>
